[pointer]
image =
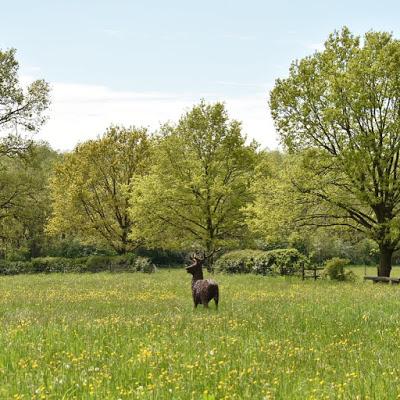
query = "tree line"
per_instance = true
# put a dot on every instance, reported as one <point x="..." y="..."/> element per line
<point x="200" y="183"/>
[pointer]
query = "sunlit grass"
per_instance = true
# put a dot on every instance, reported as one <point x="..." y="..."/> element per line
<point x="369" y="270"/>
<point x="128" y="336"/>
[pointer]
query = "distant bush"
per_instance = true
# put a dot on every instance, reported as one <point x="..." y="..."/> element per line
<point x="239" y="261"/>
<point x="57" y="264"/>
<point x="144" y="264"/>
<point x="163" y="257"/>
<point x="15" y="267"/>
<point x="335" y="270"/>
<point x="130" y="263"/>
<point x="272" y="262"/>
<point x="98" y="263"/>
<point x="122" y="263"/>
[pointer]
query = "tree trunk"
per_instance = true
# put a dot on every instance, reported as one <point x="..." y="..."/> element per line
<point x="210" y="259"/>
<point x="385" y="261"/>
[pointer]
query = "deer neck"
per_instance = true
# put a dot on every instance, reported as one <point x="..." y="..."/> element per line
<point x="197" y="276"/>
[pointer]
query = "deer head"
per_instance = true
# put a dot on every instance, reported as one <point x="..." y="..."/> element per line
<point x="196" y="268"/>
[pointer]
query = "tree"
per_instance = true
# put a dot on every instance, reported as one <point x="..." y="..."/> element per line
<point x="198" y="185"/>
<point x="271" y="214"/>
<point x="19" y="109"/>
<point x="25" y="201"/>
<point x="279" y="215"/>
<point x="21" y="112"/>
<point x="92" y="185"/>
<point x="339" y="110"/>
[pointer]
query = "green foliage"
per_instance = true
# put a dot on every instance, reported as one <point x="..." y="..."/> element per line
<point x="272" y="214"/>
<point x="272" y="262"/>
<point x="143" y="264"/>
<point x="240" y="261"/>
<point x="163" y="257"/>
<point x="338" y="111"/>
<point x="23" y="165"/>
<point x="15" y="267"/>
<point x="68" y="246"/>
<point x="25" y="202"/>
<point x="21" y="109"/>
<point x="335" y="270"/>
<point x="98" y="263"/>
<point x="57" y="264"/>
<point x="91" y="186"/>
<point x="198" y="185"/>
<point x="123" y="263"/>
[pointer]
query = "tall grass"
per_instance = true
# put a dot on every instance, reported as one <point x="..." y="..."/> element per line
<point x="128" y="336"/>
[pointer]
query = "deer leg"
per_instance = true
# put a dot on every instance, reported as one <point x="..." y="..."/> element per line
<point x="216" y="297"/>
<point x="195" y="302"/>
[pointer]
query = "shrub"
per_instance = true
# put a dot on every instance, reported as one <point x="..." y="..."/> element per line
<point x="143" y="264"/>
<point x="18" y="254"/>
<point x="285" y="261"/>
<point x="98" y="263"/>
<point x="15" y="267"/>
<point x="163" y="257"/>
<point x="238" y="261"/>
<point x="57" y="264"/>
<point x="335" y="269"/>
<point x="272" y="262"/>
<point x="126" y="263"/>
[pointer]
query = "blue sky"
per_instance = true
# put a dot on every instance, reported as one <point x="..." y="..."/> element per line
<point x="143" y="62"/>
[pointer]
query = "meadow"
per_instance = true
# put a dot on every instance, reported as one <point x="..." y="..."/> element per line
<point x="136" y="336"/>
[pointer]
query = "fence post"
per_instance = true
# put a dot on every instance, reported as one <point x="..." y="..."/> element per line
<point x="315" y="272"/>
<point x="302" y="271"/>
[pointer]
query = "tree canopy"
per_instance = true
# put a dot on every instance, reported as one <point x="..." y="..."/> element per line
<point x="339" y="109"/>
<point x="23" y="165"/>
<point x="24" y="200"/>
<point x="92" y="185"/>
<point x="198" y="185"/>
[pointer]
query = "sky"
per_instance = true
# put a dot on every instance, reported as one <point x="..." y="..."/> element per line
<point x="147" y="62"/>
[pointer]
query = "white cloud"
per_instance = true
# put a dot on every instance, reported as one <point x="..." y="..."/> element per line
<point x="80" y="112"/>
<point x="256" y="118"/>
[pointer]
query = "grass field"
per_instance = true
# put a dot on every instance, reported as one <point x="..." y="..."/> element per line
<point x="128" y="336"/>
<point x="361" y="270"/>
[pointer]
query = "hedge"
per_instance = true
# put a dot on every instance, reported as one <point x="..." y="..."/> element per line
<point x="335" y="270"/>
<point x="123" y="263"/>
<point x="272" y="262"/>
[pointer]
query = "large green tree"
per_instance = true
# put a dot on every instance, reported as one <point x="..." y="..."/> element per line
<point x="92" y="185"/>
<point x="22" y="111"/>
<point x="25" y="201"/>
<point x="198" y="185"/>
<point x="339" y="110"/>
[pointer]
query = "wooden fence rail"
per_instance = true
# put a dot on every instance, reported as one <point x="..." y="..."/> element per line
<point x="315" y="274"/>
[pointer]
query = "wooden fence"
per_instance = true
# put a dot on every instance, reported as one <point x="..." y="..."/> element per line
<point x="313" y="272"/>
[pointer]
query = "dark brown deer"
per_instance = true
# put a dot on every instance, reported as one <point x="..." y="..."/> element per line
<point x="203" y="290"/>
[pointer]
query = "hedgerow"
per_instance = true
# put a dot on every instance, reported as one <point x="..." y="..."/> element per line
<point x="272" y="262"/>
<point x="122" y="263"/>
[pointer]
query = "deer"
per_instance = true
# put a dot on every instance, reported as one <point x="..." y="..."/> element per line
<point x="203" y="290"/>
